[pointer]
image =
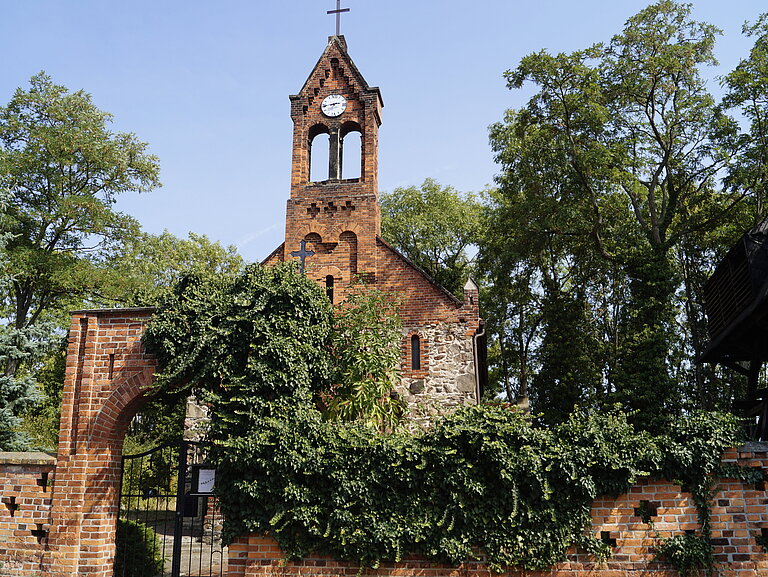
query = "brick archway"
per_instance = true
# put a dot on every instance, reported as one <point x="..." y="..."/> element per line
<point x="104" y="386"/>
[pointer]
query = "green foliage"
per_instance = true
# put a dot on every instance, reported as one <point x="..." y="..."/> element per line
<point x="160" y="421"/>
<point x="18" y="346"/>
<point x="566" y="381"/>
<point x="138" y="551"/>
<point x="266" y="328"/>
<point x="747" y="88"/>
<point x="18" y="391"/>
<point x="434" y="226"/>
<point x="64" y="169"/>
<point x="146" y="266"/>
<point x="611" y="195"/>
<point x="365" y="347"/>
<point x="485" y="476"/>
<point x="688" y="554"/>
<point x="41" y="422"/>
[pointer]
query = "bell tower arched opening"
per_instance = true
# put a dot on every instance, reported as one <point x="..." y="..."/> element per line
<point x="318" y="152"/>
<point x="351" y="151"/>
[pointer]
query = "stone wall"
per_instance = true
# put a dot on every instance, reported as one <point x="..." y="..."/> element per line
<point x="25" y="511"/>
<point x="631" y="523"/>
<point x="447" y="377"/>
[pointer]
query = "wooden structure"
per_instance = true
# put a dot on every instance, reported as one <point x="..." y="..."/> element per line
<point x="736" y="303"/>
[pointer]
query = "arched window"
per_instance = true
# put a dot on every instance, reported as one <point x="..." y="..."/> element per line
<point x="319" y="152"/>
<point x="329" y="287"/>
<point x="415" y="353"/>
<point x="352" y="151"/>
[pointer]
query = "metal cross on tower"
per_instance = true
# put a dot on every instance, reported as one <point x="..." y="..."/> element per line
<point x="302" y="253"/>
<point x="338" y="12"/>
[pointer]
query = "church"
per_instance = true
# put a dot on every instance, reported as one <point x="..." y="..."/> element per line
<point x="333" y="228"/>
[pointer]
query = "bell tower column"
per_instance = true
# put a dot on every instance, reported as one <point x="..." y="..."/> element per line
<point x="338" y="218"/>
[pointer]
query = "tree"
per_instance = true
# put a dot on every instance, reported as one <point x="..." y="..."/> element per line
<point x="64" y="169"/>
<point x="566" y="381"/>
<point x="747" y="90"/>
<point x="146" y="266"/>
<point x="433" y="226"/>
<point x="18" y="392"/>
<point x="614" y="162"/>
<point x="243" y="341"/>
<point x="365" y="348"/>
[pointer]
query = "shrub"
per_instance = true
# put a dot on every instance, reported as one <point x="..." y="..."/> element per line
<point x="138" y="551"/>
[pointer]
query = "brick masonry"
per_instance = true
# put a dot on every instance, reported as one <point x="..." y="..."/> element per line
<point x="340" y="221"/>
<point x="739" y="518"/>
<point x="32" y="489"/>
<point x="25" y="511"/>
<point x="104" y="386"/>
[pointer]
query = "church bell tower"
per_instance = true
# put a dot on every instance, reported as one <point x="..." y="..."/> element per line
<point x="333" y="226"/>
<point x="335" y="219"/>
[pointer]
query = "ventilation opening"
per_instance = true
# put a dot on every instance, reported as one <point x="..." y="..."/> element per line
<point x="646" y="511"/>
<point x="415" y="353"/>
<point x="605" y="537"/>
<point x="329" y="287"/>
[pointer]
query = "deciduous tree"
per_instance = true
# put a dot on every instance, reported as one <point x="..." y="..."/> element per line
<point x="614" y="162"/>
<point x="64" y="168"/>
<point x="434" y="226"/>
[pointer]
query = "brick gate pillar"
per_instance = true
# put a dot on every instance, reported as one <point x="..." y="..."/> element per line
<point x="107" y="370"/>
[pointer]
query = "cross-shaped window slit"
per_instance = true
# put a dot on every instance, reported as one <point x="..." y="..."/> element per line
<point x="12" y="505"/>
<point x="646" y="511"/>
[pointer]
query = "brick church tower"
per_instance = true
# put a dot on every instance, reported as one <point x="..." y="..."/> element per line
<point x="333" y="226"/>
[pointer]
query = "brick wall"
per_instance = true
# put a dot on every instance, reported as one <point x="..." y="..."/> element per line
<point x="104" y="386"/>
<point x="25" y="511"/>
<point x="739" y="518"/>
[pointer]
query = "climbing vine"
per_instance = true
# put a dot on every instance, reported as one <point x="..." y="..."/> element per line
<point x="485" y="478"/>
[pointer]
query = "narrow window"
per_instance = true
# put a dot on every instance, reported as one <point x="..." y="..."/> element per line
<point x="415" y="353"/>
<point x="329" y="287"/>
<point x="351" y="151"/>
<point x="319" y="152"/>
<point x="349" y="240"/>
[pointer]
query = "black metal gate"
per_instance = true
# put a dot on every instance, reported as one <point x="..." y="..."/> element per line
<point x="169" y="522"/>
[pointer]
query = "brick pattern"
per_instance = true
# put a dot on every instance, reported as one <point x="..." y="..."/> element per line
<point x="25" y="511"/>
<point x="107" y="371"/>
<point x="738" y="518"/>
<point x="29" y="547"/>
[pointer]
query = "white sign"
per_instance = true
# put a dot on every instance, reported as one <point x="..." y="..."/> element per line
<point x="206" y="480"/>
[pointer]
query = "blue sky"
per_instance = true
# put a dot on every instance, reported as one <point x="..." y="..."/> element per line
<point x="206" y="84"/>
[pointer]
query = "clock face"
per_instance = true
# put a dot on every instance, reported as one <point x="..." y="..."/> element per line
<point x="333" y="105"/>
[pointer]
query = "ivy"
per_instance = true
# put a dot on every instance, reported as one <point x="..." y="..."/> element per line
<point x="689" y="554"/>
<point x="484" y="480"/>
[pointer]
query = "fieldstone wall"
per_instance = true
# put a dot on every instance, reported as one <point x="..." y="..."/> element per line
<point x="447" y="376"/>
